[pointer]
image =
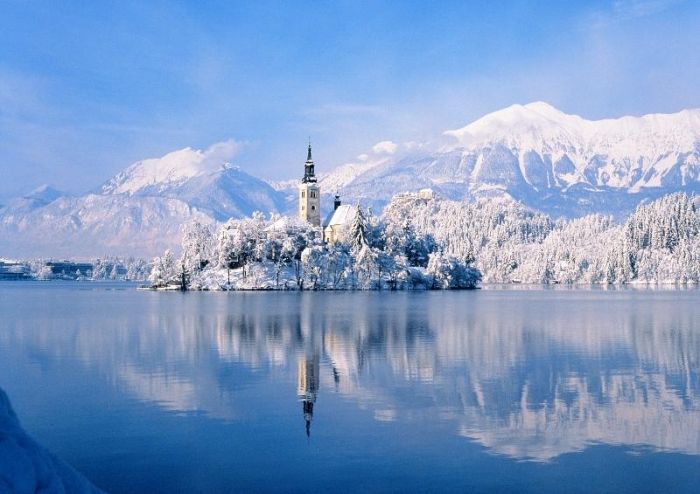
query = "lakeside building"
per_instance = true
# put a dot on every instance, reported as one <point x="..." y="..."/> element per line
<point x="69" y="269"/>
<point x="13" y="270"/>
<point x="310" y="205"/>
<point x="336" y="220"/>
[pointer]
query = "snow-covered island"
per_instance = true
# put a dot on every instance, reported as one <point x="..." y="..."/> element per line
<point x="287" y="253"/>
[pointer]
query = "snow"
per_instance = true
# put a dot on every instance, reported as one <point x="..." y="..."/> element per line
<point x="561" y="164"/>
<point x="25" y="466"/>
<point x="44" y="193"/>
<point x="539" y="154"/>
<point x="138" y="212"/>
<point x="174" y="168"/>
<point x="433" y="243"/>
<point x="341" y="216"/>
<point x="650" y="140"/>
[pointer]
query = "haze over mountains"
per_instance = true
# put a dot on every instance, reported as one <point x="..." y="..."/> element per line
<point x="561" y="164"/>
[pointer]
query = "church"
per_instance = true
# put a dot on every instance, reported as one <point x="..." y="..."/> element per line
<point x="310" y="205"/>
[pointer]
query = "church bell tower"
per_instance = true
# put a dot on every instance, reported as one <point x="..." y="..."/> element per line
<point x="310" y="194"/>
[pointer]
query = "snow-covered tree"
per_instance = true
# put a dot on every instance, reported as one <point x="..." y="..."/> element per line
<point x="164" y="270"/>
<point x="313" y="260"/>
<point x="197" y="246"/>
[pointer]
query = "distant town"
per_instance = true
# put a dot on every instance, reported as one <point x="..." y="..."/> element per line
<point x="101" y="269"/>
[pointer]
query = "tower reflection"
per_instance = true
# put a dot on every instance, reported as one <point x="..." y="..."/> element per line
<point x="307" y="386"/>
<point x="528" y="375"/>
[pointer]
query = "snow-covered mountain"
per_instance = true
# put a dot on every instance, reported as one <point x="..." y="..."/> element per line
<point x="138" y="212"/>
<point x="561" y="164"/>
<point x="41" y="196"/>
<point x="535" y="153"/>
<point x="216" y="188"/>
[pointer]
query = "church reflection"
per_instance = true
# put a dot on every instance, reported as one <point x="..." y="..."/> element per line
<point x="523" y="383"/>
<point x="530" y="376"/>
<point x="307" y="386"/>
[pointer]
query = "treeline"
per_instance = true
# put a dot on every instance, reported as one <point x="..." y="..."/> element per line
<point x="658" y="243"/>
<point x="436" y="244"/>
<point x="287" y="253"/>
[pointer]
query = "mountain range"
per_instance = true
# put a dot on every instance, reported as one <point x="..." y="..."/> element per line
<point x="561" y="164"/>
<point x="551" y="161"/>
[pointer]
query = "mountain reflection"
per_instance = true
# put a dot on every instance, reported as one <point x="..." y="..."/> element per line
<point x="531" y="375"/>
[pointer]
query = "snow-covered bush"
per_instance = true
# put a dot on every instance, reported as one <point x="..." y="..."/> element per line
<point x="164" y="270"/>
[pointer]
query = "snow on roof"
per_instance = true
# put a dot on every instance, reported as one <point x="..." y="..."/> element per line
<point x="341" y="216"/>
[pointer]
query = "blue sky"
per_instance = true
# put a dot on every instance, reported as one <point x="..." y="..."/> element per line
<point x="87" y="88"/>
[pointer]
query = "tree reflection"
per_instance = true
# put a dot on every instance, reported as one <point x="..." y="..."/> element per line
<point x="526" y="374"/>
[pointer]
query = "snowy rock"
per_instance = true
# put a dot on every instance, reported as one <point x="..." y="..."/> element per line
<point x="26" y="467"/>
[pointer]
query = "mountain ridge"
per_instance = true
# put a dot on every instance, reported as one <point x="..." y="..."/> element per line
<point x="558" y="163"/>
<point x="535" y="153"/>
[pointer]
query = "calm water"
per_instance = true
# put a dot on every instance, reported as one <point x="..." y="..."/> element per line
<point x="485" y="391"/>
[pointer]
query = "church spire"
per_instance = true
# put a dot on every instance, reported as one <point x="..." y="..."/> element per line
<point x="309" y="176"/>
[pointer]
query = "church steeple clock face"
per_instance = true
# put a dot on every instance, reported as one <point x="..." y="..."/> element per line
<point x="310" y="193"/>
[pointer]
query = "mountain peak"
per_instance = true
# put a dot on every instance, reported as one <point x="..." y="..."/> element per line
<point x="539" y="125"/>
<point x="44" y="193"/>
<point x="172" y="169"/>
<point x="545" y="109"/>
<point x="534" y="119"/>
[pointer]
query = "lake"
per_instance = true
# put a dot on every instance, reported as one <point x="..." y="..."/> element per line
<point x="493" y="390"/>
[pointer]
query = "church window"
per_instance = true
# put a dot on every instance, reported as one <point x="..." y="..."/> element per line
<point x="303" y="194"/>
<point x="313" y="208"/>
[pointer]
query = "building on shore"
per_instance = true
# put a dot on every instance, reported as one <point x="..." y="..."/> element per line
<point x="337" y="220"/>
<point x="14" y="270"/>
<point x="310" y="205"/>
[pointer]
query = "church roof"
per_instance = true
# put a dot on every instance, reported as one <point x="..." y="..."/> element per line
<point x="341" y="216"/>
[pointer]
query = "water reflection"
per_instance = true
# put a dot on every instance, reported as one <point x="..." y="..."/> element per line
<point x="531" y="375"/>
<point x="307" y="386"/>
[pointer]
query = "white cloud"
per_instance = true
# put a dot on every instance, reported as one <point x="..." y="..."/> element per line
<point x="640" y="8"/>
<point x="385" y="147"/>
<point x="221" y="152"/>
